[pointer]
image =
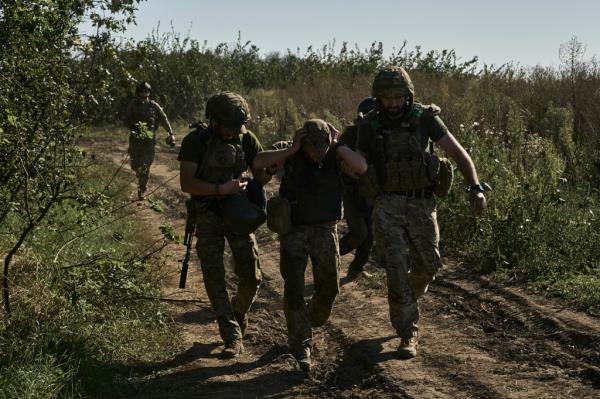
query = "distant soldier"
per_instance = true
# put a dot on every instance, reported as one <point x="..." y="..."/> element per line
<point x="312" y="188"/>
<point x="142" y="118"/>
<point x="403" y="172"/>
<point x="357" y="208"/>
<point x="214" y="160"/>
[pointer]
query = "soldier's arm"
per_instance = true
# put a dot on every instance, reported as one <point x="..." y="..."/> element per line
<point x="194" y="186"/>
<point x="466" y="167"/>
<point x="267" y="159"/>
<point x="129" y="122"/>
<point x="463" y="160"/>
<point x="162" y="118"/>
<point x="351" y="159"/>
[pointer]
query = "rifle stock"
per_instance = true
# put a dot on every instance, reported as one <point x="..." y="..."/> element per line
<point x="190" y="225"/>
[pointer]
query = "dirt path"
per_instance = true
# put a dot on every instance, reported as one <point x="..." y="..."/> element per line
<point x="478" y="339"/>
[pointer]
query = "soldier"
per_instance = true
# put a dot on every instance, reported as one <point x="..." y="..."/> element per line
<point x="396" y="141"/>
<point x="312" y="187"/>
<point x="214" y="160"/>
<point x="357" y="208"/>
<point x="142" y="118"/>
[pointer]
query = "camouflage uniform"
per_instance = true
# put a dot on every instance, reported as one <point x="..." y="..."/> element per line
<point x="314" y="193"/>
<point x="357" y="212"/>
<point x="219" y="162"/>
<point x="404" y="213"/>
<point x="318" y="242"/>
<point x="142" y="140"/>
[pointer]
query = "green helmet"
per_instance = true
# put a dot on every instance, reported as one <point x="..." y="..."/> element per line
<point x="228" y="109"/>
<point x="143" y="86"/>
<point x="393" y="80"/>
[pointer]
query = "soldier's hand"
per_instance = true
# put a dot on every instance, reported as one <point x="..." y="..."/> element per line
<point x="298" y="136"/>
<point x="234" y="186"/>
<point x="170" y="140"/>
<point x="478" y="203"/>
<point x="333" y="132"/>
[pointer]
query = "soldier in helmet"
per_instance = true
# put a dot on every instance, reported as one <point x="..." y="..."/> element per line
<point x="142" y="118"/>
<point x="357" y="208"/>
<point x="213" y="164"/>
<point x="312" y="188"/>
<point x="396" y="141"/>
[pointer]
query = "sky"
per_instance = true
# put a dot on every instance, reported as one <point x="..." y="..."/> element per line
<point x="527" y="32"/>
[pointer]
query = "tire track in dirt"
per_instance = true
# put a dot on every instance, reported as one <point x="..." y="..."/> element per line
<point x="478" y="339"/>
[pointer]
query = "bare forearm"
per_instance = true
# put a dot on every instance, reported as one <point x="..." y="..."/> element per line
<point x="199" y="187"/>
<point x="268" y="158"/>
<point x="354" y="160"/>
<point x="261" y="176"/>
<point x="466" y="167"/>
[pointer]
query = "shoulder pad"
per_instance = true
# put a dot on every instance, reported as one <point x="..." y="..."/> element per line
<point x="431" y="110"/>
<point x="421" y="111"/>
<point x="371" y="119"/>
<point x="198" y="125"/>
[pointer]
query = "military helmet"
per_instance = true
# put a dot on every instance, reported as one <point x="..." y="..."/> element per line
<point x="366" y="105"/>
<point x="143" y="85"/>
<point x="393" y="80"/>
<point x="228" y="109"/>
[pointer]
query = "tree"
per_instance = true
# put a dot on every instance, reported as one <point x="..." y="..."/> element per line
<point x="43" y="103"/>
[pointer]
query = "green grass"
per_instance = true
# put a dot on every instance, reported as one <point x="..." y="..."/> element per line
<point x="85" y="301"/>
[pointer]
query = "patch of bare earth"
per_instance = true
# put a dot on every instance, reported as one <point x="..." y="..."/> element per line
<point x="478" y="339"/>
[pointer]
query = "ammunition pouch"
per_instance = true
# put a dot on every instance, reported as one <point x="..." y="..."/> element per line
<point x="445" y="177"/>
<point x="368" y="185"/>
<point x="279" y="215"/>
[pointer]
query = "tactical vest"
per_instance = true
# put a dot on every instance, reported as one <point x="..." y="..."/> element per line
<point x="403" y="154"/>
<point x="314" y="192"/>
<point x="221" y="161"/>
<point x="144" y="112"/>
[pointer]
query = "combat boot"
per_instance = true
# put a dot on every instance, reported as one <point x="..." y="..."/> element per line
<point x="141" y="194"/>
<point x="354" y="271"/>
<point x="242" y="320"/>
<point x="303" y="358"/>
<point x="408" y="347"/>
<point x="232" y="349"/>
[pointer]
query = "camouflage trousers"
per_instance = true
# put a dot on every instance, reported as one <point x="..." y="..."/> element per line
<point x="141" y="154"/>
<point x="407" y="237"/>
<point x="319" y="243"/>
<point x="210" y="246"/>
<point x="359" y="235"/>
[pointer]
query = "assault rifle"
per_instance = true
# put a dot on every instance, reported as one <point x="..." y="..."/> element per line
<point x="190" y="226"/>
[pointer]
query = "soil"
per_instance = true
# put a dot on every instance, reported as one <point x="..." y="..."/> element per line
<point x="478" y="338"/>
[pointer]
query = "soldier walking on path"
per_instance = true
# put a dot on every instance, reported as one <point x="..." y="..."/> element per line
<point x="403" y="172"/>
<point x="142" y="118"/>
<point x="357" y="208"/>
<point x="312" y="188"/>
<point x="213" y="164"/>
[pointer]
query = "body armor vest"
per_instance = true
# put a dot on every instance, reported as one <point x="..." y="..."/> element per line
<point x="144" y="112"/>
<point x="404" y="160"/>
<point x="314" y="192"/>
<point x="222" y="161"/>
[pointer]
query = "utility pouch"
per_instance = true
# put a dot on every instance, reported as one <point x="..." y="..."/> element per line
<point x="368" y="184"/>
<point x="279" y="216"/>
<point x="446" y="176"/>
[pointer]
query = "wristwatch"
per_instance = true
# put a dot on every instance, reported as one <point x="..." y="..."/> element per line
<point x="477" y="188"/>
